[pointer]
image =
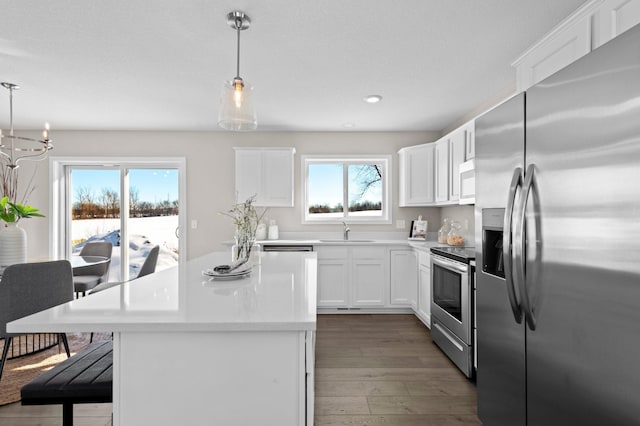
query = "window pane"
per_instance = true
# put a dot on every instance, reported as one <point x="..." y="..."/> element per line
<point x="365" y="190"/>
<point x="153" y="217"/>
<point x="96" y="212"/>
<point x="325" y="188"/>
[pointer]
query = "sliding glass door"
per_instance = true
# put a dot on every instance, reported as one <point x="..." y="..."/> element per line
<point x="132" y="204"/>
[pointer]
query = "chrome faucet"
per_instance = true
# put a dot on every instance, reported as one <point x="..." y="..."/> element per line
<point x="346" y="231"/>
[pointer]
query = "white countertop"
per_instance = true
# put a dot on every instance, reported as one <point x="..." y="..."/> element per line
<point x="280" y="294"/>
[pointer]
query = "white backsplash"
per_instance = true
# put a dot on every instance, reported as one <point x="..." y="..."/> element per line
<point x="464" y="215"/>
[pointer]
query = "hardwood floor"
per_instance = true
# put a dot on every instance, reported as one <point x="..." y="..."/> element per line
<point x="384" y="370"/>
<point x="370" y="370"/>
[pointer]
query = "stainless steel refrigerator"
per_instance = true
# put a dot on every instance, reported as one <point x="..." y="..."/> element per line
<point x="558" y="240"/>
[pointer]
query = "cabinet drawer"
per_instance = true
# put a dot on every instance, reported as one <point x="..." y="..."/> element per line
<point x="365" y="252"/>
<point x="331" y="252"/>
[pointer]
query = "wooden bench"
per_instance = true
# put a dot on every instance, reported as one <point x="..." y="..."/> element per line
<point x="86" y="377"/>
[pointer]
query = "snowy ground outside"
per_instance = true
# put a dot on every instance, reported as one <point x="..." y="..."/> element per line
<point x="144" y="233"/>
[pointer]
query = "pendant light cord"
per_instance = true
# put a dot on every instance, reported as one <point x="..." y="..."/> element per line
<point x="238" y="27"/>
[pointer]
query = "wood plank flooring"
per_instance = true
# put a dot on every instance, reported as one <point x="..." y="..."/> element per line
<point x="384" y="370"/>
<point x="371" y="370"/>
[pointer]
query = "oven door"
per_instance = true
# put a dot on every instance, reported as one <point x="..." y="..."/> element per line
<point x="451" y="296"/>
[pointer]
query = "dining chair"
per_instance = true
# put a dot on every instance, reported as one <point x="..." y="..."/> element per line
<point x="87" y="277"/>
<point x="27" y="288"/>
<point x="148" y="267"/>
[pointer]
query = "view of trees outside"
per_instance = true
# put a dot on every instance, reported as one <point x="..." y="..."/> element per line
<point x="327" y="189"/>
<point x="90" y="203"/>
<point x="152" y="218"/>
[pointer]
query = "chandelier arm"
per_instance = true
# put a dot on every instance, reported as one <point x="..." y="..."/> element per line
<point x="12" y="152"/>
<point x="11" y="110"/>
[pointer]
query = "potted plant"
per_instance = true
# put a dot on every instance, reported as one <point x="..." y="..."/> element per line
<point x="13" y="239"/>
<point x="13" y="212"/>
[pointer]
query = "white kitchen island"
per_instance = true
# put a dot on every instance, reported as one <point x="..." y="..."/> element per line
<point x="195" y="351"/>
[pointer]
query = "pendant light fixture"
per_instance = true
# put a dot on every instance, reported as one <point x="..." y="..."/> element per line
<point x="13" y="148"/>
<point x="236" y="105"/>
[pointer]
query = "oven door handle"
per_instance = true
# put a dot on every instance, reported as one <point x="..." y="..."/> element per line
<point x="450" y="264"/>
<point x="520" y="248"/>
<point x="507" y="245"/>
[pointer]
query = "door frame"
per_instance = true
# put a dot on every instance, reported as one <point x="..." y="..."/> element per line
<point x="60" y="217"/>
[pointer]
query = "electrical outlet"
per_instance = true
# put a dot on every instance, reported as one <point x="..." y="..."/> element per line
<point x="400" y="224"/>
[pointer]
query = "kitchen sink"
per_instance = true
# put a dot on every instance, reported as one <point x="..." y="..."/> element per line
<point x="346" y="241"/>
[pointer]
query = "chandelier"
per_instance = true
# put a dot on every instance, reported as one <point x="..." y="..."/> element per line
<point x="13" y="148"/>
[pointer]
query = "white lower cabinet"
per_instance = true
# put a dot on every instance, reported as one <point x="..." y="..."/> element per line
<point x="352" y="277"/>
<point x="367" y="282"/>
<point x="424" y="288"/>
<point x="332" y="283"/>
<point x="404" y="278"/>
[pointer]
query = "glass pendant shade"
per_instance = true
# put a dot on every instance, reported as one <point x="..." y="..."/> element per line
<point x="237" y="111"/>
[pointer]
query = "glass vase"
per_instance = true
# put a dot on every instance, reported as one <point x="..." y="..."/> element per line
<point x="244" y="242"/>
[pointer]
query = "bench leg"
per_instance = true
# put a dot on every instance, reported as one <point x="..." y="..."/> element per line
<point x="67" y="414"/>
<point x="65" y="342"/>
<point x="7" y="344"/>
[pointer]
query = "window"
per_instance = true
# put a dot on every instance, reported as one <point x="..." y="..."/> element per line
<point x="349" y="189"/>
<point x="134" y="204"/>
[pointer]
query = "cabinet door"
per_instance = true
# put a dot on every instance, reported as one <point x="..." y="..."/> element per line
<point x="248" y="174"/>
<point x="404" y="278"/>
<point x="456" y="157"/>
<point x="416" y="175"/>
<point x="613" y="18"/>
<point x="424" y="294"/>
<point x="442" y="170"/>
<point x="332" y="283"/>
<point x="277" y="178"/>
<point x="470" y="141"/>
<point x="554" y="53"/>
<point x="368" y="282"/>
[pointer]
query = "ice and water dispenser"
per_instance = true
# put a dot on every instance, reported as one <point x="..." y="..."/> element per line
<point x="492" y="231"/>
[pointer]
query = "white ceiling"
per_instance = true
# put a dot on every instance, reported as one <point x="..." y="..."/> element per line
<point x="159" y="65"/>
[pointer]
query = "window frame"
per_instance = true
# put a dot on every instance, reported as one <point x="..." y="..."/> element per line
<point x="384" y="160"/>
<point x="60" y="218"/>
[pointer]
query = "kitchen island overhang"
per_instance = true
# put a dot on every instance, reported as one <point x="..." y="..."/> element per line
<point x="188" y="348"/>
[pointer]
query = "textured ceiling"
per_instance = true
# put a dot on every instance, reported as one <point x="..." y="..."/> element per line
<point x="159" y="65"/>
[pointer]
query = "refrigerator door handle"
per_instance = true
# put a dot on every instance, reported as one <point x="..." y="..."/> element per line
<point x="507" y="245"/>
<point x="520" y="248"/>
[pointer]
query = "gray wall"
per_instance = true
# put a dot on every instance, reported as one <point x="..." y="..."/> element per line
<point x="210" y="175"/>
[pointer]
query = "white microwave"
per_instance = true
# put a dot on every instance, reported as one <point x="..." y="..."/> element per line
<point x="468" y="182"/>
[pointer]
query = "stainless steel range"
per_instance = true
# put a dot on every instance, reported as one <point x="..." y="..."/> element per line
<point x="452" y="304"/>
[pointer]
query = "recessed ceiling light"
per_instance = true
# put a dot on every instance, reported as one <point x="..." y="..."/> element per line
<point x="348" y="125"/>
<point x="372" y="99"/>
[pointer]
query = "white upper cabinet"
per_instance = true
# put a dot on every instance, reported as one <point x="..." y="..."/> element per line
<point x="429" y="174"/>
<point x="613" y="18"/>
<point x="590" y="26"/>
<point x="416" y="177"/>
<point x="266" y="173"/>
<point x="457" y="151"/>
<point x="442" y="170"/>
<point x="553" y="53"/>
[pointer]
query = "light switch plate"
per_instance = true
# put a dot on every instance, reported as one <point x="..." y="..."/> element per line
<point x="194" y="223"/>
<point x="400" y="224"/>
